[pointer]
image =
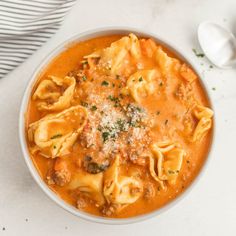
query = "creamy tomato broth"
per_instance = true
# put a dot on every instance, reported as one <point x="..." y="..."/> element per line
<point x="118" y="126"/>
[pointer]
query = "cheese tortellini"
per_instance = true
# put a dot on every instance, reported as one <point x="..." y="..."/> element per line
<point x="166" y="162"/>
<point x="54" y="93"/>
<point x="89" y="184"/>
<point x="119" y="56"/>
<point x="142" y="83"/>
<point x="55" y="134"/>
<point x="120" y="189"/>
<point x="168" y="65"/>
<point x="204" y="115"/>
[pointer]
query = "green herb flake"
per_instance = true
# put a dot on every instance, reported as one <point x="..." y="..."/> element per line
<point x="54" y="146"/>
<point x="116" y="100"/>
<point x="94" y="108"/>
<point x="161" y="84"/>
<point x="121" y="125"/>
<point x="197" y="54"/>
<point x="105" y="136"/>
<point x="113" y="99"/>
<point x="84" y="78"/>
<point x="56" y="136"/>
<point x="140" y="79"/>
<point x="211" y="66"/>
<point x="104" y="83"/>
<point x="214" y="89"/>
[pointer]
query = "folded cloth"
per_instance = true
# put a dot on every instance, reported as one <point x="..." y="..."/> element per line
<point x="25" y="25"/>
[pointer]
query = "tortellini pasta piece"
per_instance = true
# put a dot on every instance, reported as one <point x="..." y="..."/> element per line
<point x="142" y="83"/>
<point x="55" y="134"/>
<point x="148" y="47"/>
<point x="168" y="65"/>
<point x="166" y="162"/>
<point x="204" y="115"/>
<point x="89" y="184"/>
<point x="120" y="189"/>
<point x="121" y="52"/>
<point x="54" y="93"/>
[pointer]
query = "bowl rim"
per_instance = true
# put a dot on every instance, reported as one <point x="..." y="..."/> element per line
<point x="23" y="109"/>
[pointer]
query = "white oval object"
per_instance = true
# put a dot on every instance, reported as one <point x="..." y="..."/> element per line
<point x="218" y="44"/>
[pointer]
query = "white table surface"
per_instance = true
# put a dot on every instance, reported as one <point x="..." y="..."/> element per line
<point x="209" y="209"/>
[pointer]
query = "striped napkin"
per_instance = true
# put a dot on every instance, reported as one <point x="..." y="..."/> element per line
<point x="25" y="25"/>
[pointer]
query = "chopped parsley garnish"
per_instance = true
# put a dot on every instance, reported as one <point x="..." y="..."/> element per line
<point x="104" y="83"/>
<point x="133" y="108"/>
<point x="112" y="98"/>
<point x="135" y="115"/>
<point x="84" y="78"/>
<point x="197" y="54"/>
<point x="115" y="100"/>
<point x="54" y="146"/>
<point x="94" y="108"/>
<point x="140" y="79"/>
<point x="122" y="125"/>
<point x="105" y="136"/>
<point x="56" y="136"/>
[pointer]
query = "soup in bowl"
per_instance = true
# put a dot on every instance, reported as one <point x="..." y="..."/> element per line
<point x="115" y="126"/>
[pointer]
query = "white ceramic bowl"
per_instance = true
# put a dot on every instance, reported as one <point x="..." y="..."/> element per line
<point x="23" y="109"/>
